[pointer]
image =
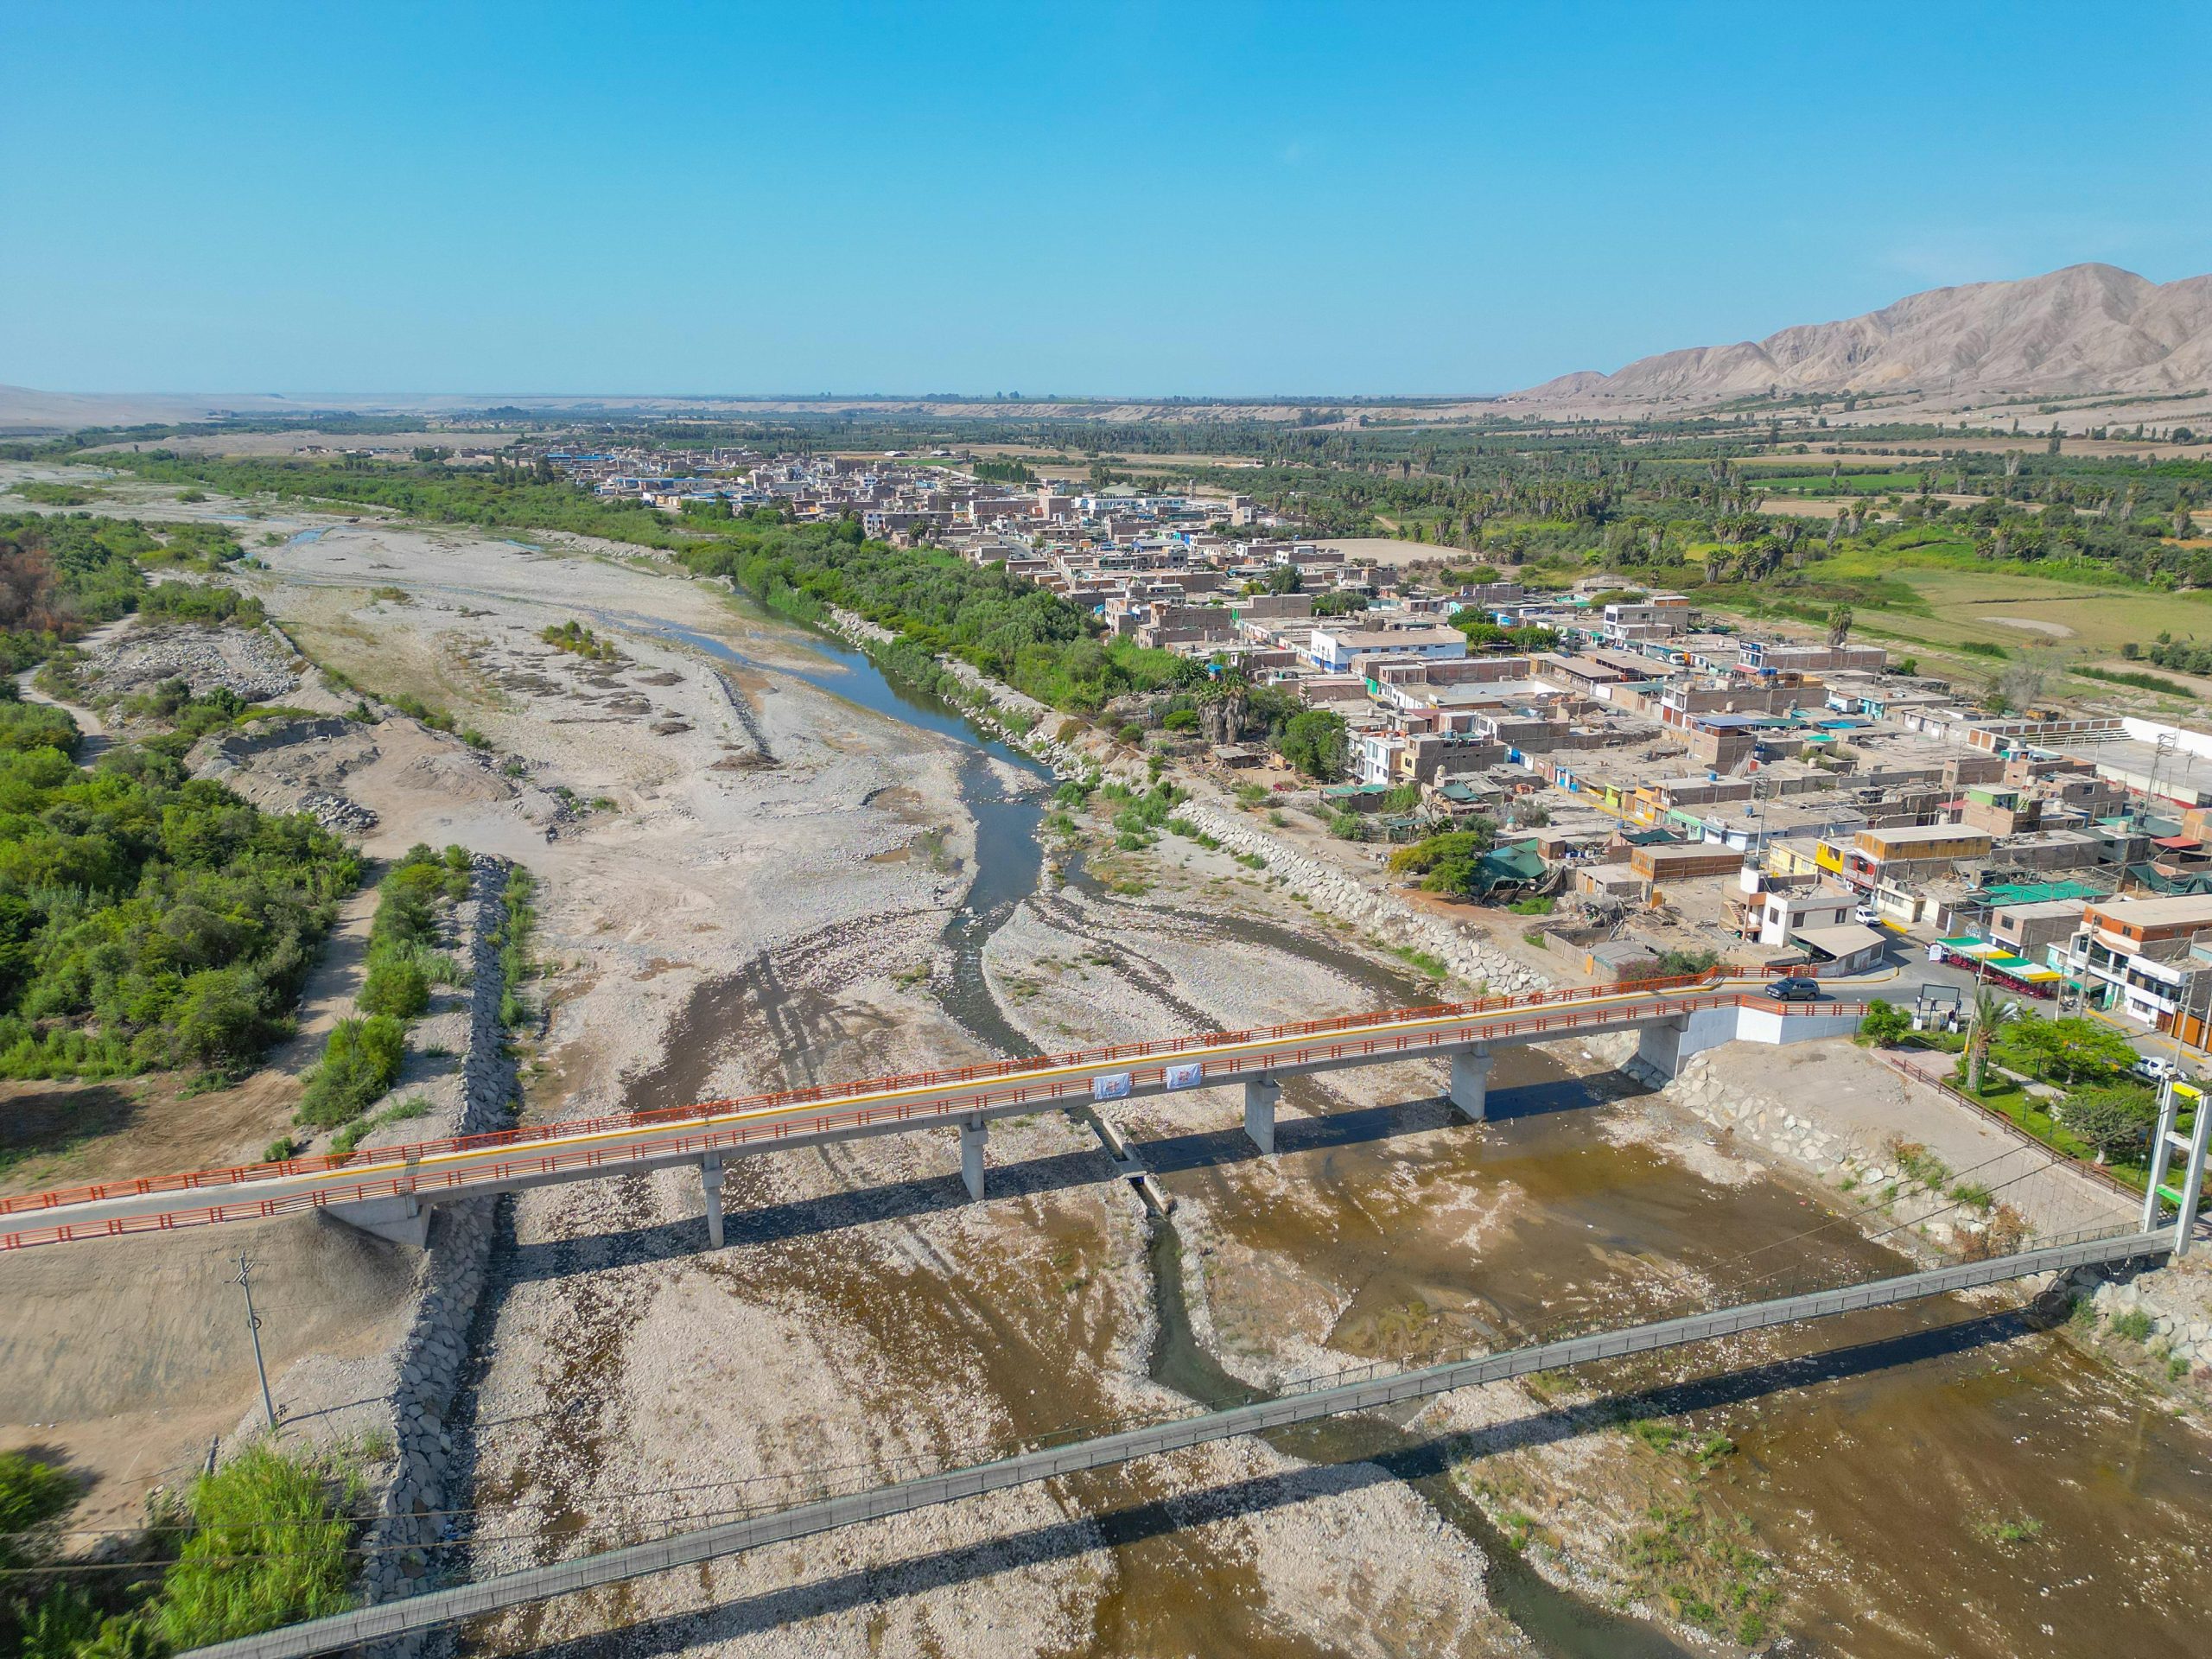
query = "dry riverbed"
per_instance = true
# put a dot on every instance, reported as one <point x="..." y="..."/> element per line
<point x="749" y="881"/>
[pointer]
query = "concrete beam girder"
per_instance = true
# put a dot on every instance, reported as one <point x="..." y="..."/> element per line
<point x="678" y="1155"/>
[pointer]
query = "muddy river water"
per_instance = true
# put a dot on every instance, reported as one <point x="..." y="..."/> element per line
<point x="1938" y="1479"/>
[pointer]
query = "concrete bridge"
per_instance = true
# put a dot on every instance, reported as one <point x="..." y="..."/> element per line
<point x="392" y="1191"/>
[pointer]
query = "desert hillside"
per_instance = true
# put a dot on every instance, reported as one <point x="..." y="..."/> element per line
<point x="2086" y="329"/>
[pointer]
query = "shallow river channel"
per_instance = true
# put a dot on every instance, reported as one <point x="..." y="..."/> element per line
<point x="1934" y="1480"/>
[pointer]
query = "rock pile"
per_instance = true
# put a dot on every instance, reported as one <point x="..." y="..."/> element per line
<point x="337" y="812"/>
<point x="251" y="662"/>
<point x="427" y="1478"/>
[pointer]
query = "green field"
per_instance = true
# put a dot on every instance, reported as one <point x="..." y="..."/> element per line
<point x="1929" y="601"/>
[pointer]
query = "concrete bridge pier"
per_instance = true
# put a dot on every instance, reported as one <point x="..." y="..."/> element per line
<point x="1660" y="1047"/>
<point x="971" y="1157"/>
<point x="1469" y="1089"/>
<point x="711" y="1179"/>
<point x="1260" y="1094"/>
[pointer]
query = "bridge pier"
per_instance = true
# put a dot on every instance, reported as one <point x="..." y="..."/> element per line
<point x="710" y="1180"/>
<point x="971" y="1157"/>
<point x="1660" y="1047"/>
<point x="1260" y="1094"/>
<point x="1470" y="1086"/>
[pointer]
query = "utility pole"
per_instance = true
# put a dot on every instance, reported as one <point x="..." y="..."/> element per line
<point x="253" y="1330"/>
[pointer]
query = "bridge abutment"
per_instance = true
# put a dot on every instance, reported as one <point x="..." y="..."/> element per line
<point x="971" y="1157"/>
<point x="402" y="1218"/>
<point x="1469" y="1085"/>
<point x="1260" y="1094"/>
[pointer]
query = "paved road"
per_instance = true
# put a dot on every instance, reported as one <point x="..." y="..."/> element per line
<point x="427" y="1172"/>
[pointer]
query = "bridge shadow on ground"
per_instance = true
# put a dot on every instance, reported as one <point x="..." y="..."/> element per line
<point x="778" y="1224"/>
<point x="972" y="1562"/>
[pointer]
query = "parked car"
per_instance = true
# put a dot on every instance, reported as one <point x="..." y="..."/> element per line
<point x="1795" y="989"/>
<point x="1866" y="915"/>
<point x="2155" y="1068"/>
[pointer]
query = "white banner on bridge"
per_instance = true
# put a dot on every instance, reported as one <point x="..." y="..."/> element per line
<point x="1188" y="1074"/>
<point x="1114" y="1085"/>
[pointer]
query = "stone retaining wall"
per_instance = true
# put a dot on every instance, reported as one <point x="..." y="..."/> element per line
<point x="1015" y="716"/>
<point x="2181" y="1325"/>
<point x="1030" y="727"/>
<point x="408" y="1524"/>
<point x="1335" y="893"/>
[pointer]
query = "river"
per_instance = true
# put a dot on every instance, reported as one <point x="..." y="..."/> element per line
<point x="1943" y="1481"/>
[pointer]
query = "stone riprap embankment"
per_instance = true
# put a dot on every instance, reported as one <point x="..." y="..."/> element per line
<point x="1023" y="722"/>
<point x="2176" y="1300"/>
<point x="1927" y="1167"/>
<point x="1337" y="894"/>
<point x="426" y="1478"/>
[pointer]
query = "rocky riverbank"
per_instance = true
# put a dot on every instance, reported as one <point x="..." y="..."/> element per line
<point x="1396" y="923"/>
<point x="426" y="1480"/>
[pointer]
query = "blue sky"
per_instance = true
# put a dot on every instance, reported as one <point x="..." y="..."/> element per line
<point x="1087" y="198"/>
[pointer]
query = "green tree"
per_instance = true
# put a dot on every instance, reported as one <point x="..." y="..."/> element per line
<point x="1447" y="863"/>
<point x="1316" y="742"/>
<point x="2072" y="1049"/>
<point x="2110" y="1120"/>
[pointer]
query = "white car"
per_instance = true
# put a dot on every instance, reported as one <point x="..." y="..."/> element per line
<point x="1866" y="915"/>
<point x="2155" y="1068"/>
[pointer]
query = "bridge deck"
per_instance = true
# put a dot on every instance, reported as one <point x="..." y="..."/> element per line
<point x="432" y="1172"/>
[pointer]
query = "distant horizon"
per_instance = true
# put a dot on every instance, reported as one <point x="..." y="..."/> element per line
<point x="334" y="400"/>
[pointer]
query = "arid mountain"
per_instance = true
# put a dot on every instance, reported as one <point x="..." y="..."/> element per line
<point x="2085" y="328"/>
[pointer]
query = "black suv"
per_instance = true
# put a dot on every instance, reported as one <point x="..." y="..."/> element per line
<point x="1795" y="991"/>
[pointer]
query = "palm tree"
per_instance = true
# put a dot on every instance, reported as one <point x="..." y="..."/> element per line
<point x="1990" y="1012"/>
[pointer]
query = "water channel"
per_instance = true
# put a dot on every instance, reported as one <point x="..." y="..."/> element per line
<point x="1938" y="1480"/>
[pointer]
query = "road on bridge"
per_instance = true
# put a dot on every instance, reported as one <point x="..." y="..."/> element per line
<point x="431" y="1171"/>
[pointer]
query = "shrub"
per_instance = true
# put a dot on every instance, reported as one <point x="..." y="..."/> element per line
<point x="32" y="1497"/>
<point x="1884" y="1023"/>
<point x="266" y="1549"/>
<point x="37" y="726"/>
<point x="395" y="985"/>
<point x="2134" y="1325"/>
<point x="360" y="1061"/>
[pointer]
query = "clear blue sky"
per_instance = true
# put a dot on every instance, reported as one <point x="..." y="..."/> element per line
<point x="1177" y="197"/>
